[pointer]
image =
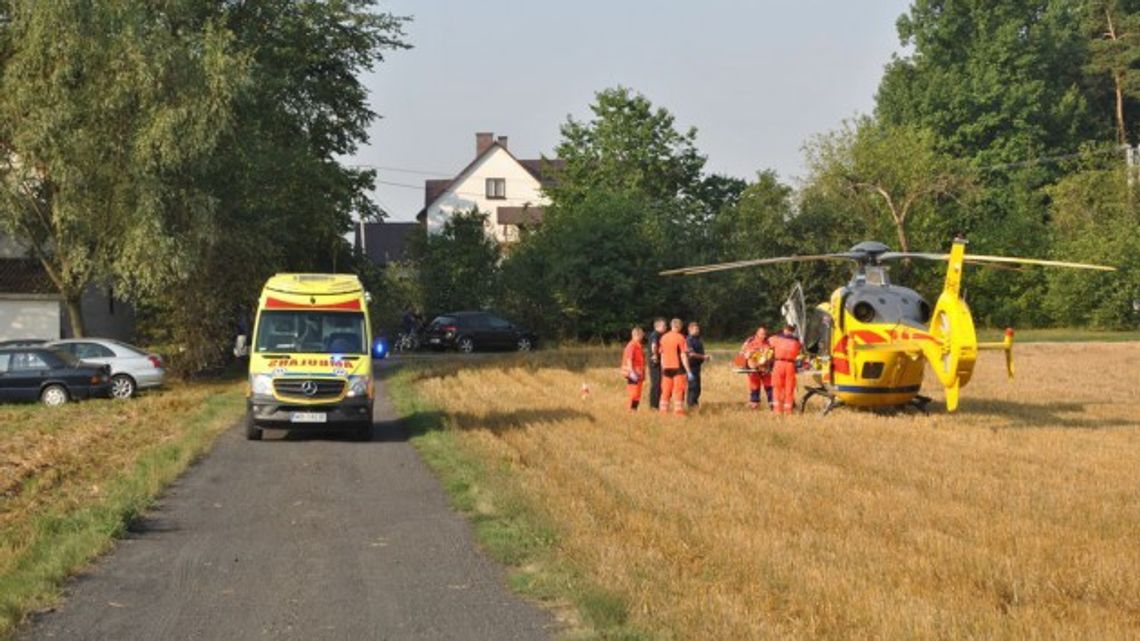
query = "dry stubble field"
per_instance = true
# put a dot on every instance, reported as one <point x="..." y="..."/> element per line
<point x="1018" y="518"/>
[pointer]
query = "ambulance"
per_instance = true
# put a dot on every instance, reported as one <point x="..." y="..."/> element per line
<point x="310" y="356"/>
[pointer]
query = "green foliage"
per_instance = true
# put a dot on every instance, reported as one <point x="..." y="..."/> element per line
<point x="628" y="147"/>
<point x="1095" y="219"/>
<point x="996" y="81"/>
<point x="893" y="178"/>
<point x="107" y="111"/>
<point x="458" y="267"/>
<point x="593" y="267"/>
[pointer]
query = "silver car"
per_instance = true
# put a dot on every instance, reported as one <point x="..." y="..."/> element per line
<point x="132" y="369"/>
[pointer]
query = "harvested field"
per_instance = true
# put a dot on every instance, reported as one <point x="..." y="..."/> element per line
<point x="1016" y="518"/>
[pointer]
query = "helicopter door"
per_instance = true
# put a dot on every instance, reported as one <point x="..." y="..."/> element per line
<point x="794" y="311"/>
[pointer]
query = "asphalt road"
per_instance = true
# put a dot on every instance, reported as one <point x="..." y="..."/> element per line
<point x="305" y="538"/>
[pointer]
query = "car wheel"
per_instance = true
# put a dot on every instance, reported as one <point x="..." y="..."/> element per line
<point x="252" y="431"/>
<point x="466" y="345"/>
<point x="525" y="344"/>
<point x="122" y="386"/>
<point x="54" y="395"/>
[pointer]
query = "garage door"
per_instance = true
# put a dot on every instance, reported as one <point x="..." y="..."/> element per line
<point x="29" y="319"/>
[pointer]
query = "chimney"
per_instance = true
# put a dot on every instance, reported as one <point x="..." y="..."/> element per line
<point x="483" y="141"/>
<point x="503" y="141"/>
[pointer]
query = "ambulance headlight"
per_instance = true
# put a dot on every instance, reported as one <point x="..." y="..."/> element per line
<point x="357" y="386"/>
<point x="261" y="384"/>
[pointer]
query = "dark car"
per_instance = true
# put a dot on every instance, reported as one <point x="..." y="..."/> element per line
<point x="50" y="376"/>
<point x="469" y="331"/>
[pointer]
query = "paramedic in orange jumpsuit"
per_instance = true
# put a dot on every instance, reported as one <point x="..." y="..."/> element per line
<point x="675" y="371"/>
<point x="633" y="367"/>
<point x="787" y="348"/>
<point x="761" y="379"/>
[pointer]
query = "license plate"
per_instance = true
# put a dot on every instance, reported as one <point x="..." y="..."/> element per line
<point x="435" y="341"/>
<point x="309" y="417"/>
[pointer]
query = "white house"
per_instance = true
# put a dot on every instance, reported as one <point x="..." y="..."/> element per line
<point x="507" y="189"/>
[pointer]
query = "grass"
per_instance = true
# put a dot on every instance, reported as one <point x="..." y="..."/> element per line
<point x="1015" y="518"/>
<point x="512" y="528"/>
<point x="72" y="479"/>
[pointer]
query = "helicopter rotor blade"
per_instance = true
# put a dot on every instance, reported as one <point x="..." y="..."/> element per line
<point x="716" y="267"/>
<point x="1012" y="260"/>
<point x="997" y="262"/>
<point x="945" y="257"/>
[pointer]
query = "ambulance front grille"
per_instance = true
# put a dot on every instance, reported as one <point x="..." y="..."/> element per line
<point x="309" y="388"/>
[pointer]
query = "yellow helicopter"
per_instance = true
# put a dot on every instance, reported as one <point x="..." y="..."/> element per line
<point x="870" y="342"/>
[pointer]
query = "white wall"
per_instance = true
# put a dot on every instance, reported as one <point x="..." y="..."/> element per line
<point x="470" y="191"/>
<point x="32" y="317"/>
<point x="10" y="248"/>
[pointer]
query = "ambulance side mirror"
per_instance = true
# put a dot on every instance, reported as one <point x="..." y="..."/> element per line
<point x="241" y="347"/>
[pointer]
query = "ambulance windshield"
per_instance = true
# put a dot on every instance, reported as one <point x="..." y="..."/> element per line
<point x="311" y="332"/>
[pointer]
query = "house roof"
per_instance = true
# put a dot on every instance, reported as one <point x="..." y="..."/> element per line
<point x="388" y="242"/>
<point x="542" y="169"/>
<point x="24" y="276"/>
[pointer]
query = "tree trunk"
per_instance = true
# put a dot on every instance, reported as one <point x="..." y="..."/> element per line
<point x="1121" y="130"/>
<point x="75" y="315"/>
<point x="1118" y="82"/>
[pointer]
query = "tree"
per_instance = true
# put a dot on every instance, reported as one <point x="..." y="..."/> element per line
<point x="997" y="82"/>
<point x="284" y="200"/>
<point x="107" y="111"/>
<point x="1114" y="28"/>
<point x="1095" y="218"/>
<point x="458" y="267"/>
<point x="889" y="173"/>
<point x="593" y="268"/>
<point x="628" y="147"/>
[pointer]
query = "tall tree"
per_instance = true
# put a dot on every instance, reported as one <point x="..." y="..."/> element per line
<point x="996" y="81"/>
<point x="1114" y="26"/>
<point x="107" y="110"/>
<point x="628" y="146"/>
<point x="285" y="200"/>
<point x="889" y="174"/>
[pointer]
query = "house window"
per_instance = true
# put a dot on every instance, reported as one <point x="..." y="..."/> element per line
<point x="496" y="188"/>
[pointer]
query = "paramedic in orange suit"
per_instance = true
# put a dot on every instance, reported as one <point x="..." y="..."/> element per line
<point x="787" y="349"/>
<point x="633" y="367"/>
<point x="675" y="370"/>
<point x="761" y="379"/>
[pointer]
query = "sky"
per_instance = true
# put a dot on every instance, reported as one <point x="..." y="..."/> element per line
<point x="756" y="78"/>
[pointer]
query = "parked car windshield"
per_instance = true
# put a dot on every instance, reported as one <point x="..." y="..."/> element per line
<point x="311" y="332"/>
<point x="440" y="321"/>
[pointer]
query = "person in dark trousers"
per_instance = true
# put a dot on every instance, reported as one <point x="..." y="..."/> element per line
<point x="655" y="363"/>
<point x="697" y="356"/>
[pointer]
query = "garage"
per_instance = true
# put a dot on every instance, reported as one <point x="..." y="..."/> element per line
<point x="29" y="317"/>
<point x="29" y="307"/>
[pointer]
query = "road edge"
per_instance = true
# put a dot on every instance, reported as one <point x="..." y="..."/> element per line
<point x="75" y="538"/>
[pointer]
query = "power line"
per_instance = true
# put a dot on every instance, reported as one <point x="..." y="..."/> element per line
<point x="403" y="170"/>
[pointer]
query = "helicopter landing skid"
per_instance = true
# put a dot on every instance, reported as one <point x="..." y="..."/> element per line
<point x="832" y="400"/>
<point x="919" y="403"/>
